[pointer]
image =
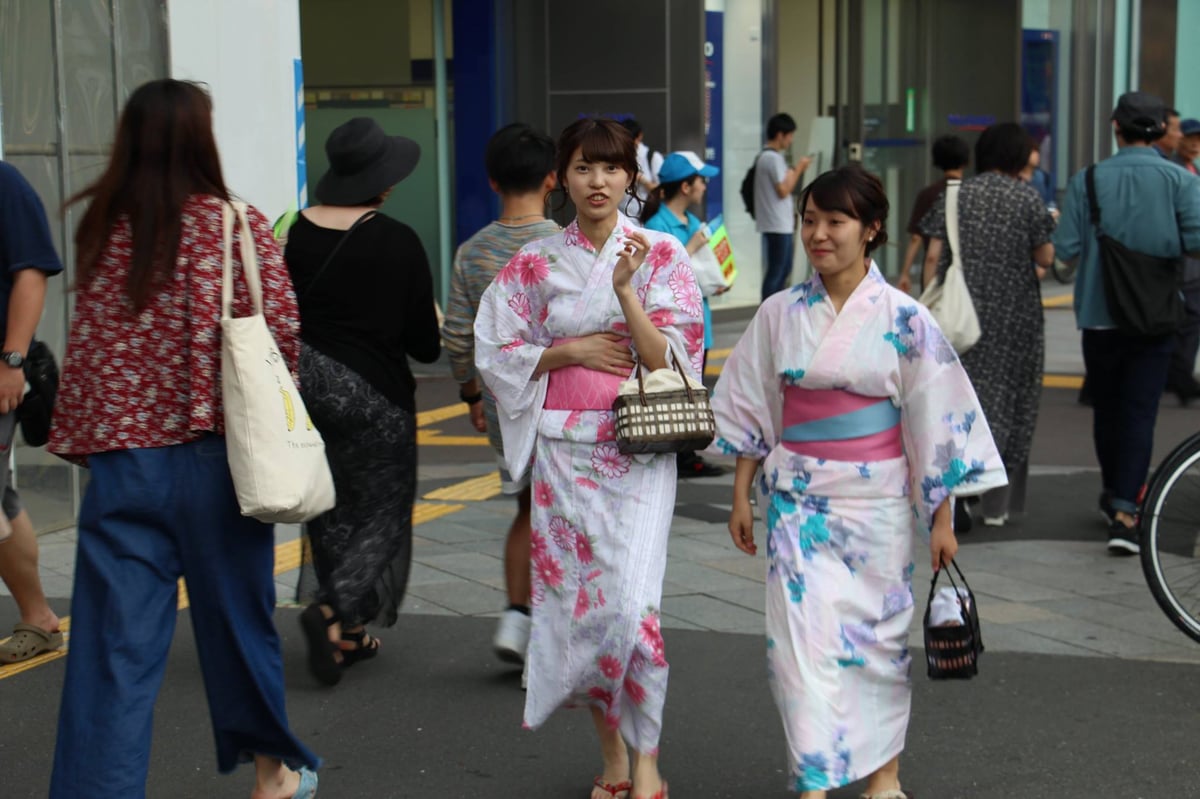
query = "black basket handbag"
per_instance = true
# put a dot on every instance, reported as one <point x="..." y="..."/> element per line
<point x="663" y="421"/>
<point x="952" y="652"/>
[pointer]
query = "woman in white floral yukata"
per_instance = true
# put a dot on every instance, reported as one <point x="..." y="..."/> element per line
<point x="847" y="394"/>
<point x="556" y="333"/>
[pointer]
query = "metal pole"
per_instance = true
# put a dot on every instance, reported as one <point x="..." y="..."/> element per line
<point x="442" y="137"/>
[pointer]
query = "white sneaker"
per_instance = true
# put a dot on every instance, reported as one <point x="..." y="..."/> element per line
<point x="995" y="521"/>
<point x="512" y="636"/>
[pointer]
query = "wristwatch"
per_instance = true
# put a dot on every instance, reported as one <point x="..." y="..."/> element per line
<point x="13" y="359"/>
<point x="470" y="399"/>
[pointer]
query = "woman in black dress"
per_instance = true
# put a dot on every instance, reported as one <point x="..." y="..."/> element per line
<point x="366" y="304"/>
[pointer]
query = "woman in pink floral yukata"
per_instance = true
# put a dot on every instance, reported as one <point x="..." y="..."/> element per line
<point x="556" y="333"/>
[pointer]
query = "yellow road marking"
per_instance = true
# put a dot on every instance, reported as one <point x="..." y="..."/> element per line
<point x="717" y="354"/>
<point x="1062" y="381"/>
<point x="434" y="438"/>
<point x="475" y="489"/>
<point x="441" y="414"/>
<point x="1061" y="301"/>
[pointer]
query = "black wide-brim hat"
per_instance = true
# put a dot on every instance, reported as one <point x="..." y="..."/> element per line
<point x="364" y="162"/>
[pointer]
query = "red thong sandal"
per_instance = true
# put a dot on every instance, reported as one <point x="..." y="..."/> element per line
<point x="612" y="790"/>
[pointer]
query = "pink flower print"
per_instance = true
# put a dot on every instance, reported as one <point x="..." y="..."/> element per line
<point x="610" y="667"/>
<point x="537" y="543"/>
<point x="562" y="532"/>
<point x="620" y="327"/>
<point x="548" y="570"/>
<point x="543" y="494"/>
<point x="643" y="292"/>
<point x="592" y="575"/>
<point x="661" y="317"/>
<point x="661" y="254"/>
<point x="583" y="603"/>
<point x="583" y="548"/>
<point x="635" y="691"/>
<point x="527" y="268"/>
<point x="519" y="303"/>
<point x="600" y="597"/>
<point x="606" y="430"/>
<point x="652" y="638"/>
<point x="587" y="483"/>
<point x="573" y="420"/>
<point x="512" y="345"/>
<point x="542" y="315"/>
<point x="683" y="285"/>
<point x="693" y="337"/>
<point x="574" y="237"/>
<point x="608" y="461"/>
<point x="601" y="695"/>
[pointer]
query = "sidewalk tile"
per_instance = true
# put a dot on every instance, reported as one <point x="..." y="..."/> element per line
<point x="713" y="614"/>
<point x="751" y="568"/>
<point x="464" y="597"/>
<point x="703" y="579"/>
<point x="471" y="566"/>
<point x="754" y="599"/>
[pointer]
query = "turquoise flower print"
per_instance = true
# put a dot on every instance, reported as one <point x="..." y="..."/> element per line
<point x="864" y="471"/>
<point x="781" y="505"/>
<point x="795" y="586"/>
<point x="811" y="772"/>
<point x="814" y="531"/>
<point x="904" y="337"/>
<point x="793" y="376"/>
<point x="727" y="447"/>
<point x="841" y="768"/>
<point x="807" y="294"/>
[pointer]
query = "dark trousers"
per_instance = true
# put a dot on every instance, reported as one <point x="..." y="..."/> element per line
<point x="777" y="261"/>
<point x="1126" y="376"/>
<point x="1181" y="376"/>
<point x="149" y="517"/>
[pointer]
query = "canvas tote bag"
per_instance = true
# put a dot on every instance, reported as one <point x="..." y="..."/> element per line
<point x="276" y="456"/>
<point x="948" y="299"/>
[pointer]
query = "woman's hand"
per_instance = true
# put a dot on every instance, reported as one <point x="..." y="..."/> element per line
<point x="741" y="526"/>
<point x="943" y="545"/>
<point x="697" y="241"/>
<point x="632" y="258"/>
<point x="604" y="352"/>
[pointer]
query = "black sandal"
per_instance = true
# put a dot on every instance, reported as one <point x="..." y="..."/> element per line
<point x="322" y="653"/>
<point x="365" y="647"/>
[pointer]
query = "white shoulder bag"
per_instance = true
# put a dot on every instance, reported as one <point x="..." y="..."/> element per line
<point x="948" y="300"/>
<point x="276" y="456"/>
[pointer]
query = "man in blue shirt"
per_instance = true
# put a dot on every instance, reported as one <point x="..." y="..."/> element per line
<point x="27" y="259"/>
<point x="1153" y="207"/>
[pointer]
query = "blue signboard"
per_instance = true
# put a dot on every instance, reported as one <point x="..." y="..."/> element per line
<point x="714" y="118"/>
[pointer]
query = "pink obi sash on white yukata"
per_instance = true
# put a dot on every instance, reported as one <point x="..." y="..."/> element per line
<point x="837" y="425"/>
<point x="578" y="388"/>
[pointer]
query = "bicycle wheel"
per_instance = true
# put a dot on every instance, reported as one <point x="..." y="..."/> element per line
<point x="1170" y="536"/>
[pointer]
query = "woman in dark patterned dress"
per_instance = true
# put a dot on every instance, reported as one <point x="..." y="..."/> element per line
<point x="366" y="304"/>
<point x="1004" y="232"/>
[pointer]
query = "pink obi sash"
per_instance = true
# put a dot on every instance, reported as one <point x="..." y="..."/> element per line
<point x="837" y="425"/>
<point x="578" y="388"/>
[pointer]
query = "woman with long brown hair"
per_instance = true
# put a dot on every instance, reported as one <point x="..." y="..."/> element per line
<point x="140" y="405"/>
<point x="557" y="332"/>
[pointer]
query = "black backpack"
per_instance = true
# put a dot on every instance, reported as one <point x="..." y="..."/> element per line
<point x="747" y="189"/>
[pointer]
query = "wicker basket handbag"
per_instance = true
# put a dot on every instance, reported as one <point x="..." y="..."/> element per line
<point x="675" y="419"/>
<point x="953" y="651"/>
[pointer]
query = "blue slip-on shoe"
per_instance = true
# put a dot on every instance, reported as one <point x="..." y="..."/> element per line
<point x="308" y="784"/>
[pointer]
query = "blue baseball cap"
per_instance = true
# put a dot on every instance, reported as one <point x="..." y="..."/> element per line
<point x="1190" y="127"/>
<point x="682" y="165"/>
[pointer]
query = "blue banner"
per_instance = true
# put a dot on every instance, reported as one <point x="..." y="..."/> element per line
<point x="714" y="117"/>
<point x="301" y="143"/>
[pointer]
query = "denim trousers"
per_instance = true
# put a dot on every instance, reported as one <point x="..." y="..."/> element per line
<point x="149" y="517"/>
<point x="1126" y="375"/>
<point x="777" y="261"/>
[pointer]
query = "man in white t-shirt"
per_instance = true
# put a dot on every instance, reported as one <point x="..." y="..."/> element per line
<point x="774" y="206"/>
<point x="648" y="164"/>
